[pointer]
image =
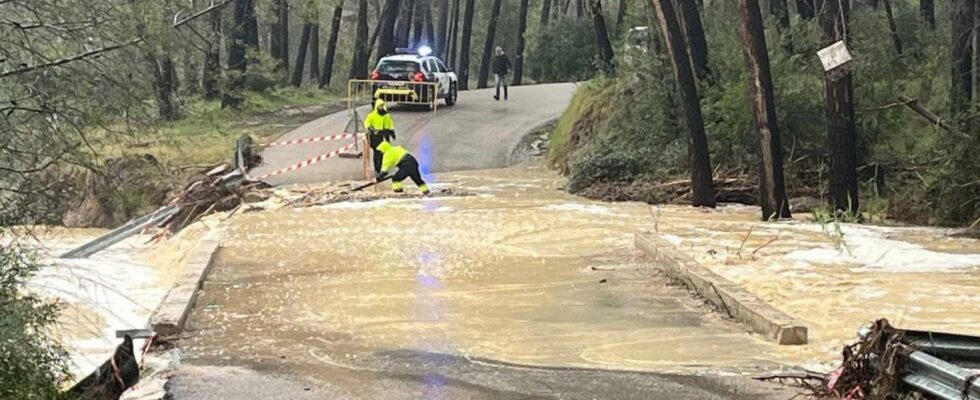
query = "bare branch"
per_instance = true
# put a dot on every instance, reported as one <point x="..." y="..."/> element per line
<point x="96" y="52"/>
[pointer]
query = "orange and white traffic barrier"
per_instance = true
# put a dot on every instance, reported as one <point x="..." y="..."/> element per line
<point x="309" y="162"/>
<point x="309" y="140"/>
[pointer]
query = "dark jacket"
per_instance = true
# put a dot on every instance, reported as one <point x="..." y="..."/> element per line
<point x="501" y="65"/>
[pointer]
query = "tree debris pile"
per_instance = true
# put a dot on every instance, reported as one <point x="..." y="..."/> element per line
<point x="218" y="190"/>
<point x="329" y="193"/>
<point x="727" y="190"/>
<point x="871" y="367"/>
<point x="895" y="364"/>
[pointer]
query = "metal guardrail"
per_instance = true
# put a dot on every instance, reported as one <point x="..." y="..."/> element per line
<point x="939" y="378"/>
<point x="948" y="346"/>
<point x="121" y="233"/>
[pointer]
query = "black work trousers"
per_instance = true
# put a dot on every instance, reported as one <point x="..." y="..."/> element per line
<point x="374" y="139"/>
<point x="408" y="168"/>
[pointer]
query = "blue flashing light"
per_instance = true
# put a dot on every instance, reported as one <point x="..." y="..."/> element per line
<point x="425" y="51"/>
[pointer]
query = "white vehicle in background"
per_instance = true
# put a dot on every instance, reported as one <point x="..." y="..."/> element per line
<point x="414" y="67"/>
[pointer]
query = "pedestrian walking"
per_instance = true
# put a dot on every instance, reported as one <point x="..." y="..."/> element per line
<point x="408" y="167"/>
<point x="501" y="68"/>
<point x="381" y="128"/>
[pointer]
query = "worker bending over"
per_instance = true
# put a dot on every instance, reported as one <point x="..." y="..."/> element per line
<point x="408" y="167"/>
<point x="381" y="128"/>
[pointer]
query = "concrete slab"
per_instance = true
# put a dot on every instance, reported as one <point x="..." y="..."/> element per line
<point x="169" y="318"/>
<point x="728" y="297"/>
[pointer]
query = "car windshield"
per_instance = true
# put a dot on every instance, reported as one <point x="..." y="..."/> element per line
<point x="389" y="67"/>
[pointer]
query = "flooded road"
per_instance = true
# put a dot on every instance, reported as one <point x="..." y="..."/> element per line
<point x="835" y="278"/>
<point x="519" y="291"/>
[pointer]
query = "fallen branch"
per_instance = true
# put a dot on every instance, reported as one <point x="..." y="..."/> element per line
<point x="744" y="239"/>
<point x="764" y="245"/>
<point x="930" y="116"/>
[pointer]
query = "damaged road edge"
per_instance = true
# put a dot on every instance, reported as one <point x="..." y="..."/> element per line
<point x="740" y="305"/>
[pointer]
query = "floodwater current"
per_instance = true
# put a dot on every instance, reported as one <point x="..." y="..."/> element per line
<point x="520" y="272"/>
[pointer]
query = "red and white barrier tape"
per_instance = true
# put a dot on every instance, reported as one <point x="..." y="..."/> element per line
<point x="309" y="140"/>
<point x="309" y="162"/>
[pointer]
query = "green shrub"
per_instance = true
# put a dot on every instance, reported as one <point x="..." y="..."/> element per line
<point x="564" y="51"/>
<point x="32" y="364"/>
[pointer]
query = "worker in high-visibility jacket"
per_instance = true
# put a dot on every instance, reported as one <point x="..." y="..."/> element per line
<point x="381" y="128"/>
<point x="408" y="167"/>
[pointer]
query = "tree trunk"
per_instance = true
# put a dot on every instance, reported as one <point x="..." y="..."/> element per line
<point x="237" y="64"/>
<point x="780" y="12"/>
<point x="620" y="17"/>
<point x="404" y="24"/>
<point x="169" y="69"/>
<point x="454" y="36"/>
<point x="772" y="194"/>
<point x="212" y="58"/>
<point x="896" y="40"/>
<point x="192" y="82"/>
<point x="579" y="8"/>
<point x="488" y="45"/>
<point x="252" y="26"/>
<point x="379" y="26"/>
<point x="279" y="37"/>
<point x="314" y="52"/>
<point x="693" y="121"/>
<point x="163" y="83"/>
<point x="386" y="39"/>
<point x="839" y="109"/>
<point x="928" y="10"/>
<point x="975" y="42"/>
<point x="961" y="57"/>
<point x="545" y="12"/>
<point x="304" y="44"/>
<point x="694" y="33"/>
<point x="442" y="35"/>
<point x="359" y="68"/>
<point x="275" y="33"/>
<point x="464" y="47"/>
<point x="338" y="13"/>
<point x="430" y="30"/>
<point x="806" y="9"/>
<point x="521" y="42"/>
<point x="418" y="22"/>
<point x="602" y="36"/>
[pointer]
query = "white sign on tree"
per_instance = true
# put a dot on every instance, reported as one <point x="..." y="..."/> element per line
<point x="834" y="56"/>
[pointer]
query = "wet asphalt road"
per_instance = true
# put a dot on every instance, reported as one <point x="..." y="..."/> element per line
<point x="476" y="133"/>
<point x="430" y="376"/>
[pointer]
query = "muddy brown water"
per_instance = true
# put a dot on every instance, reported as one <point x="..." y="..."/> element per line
<point x="520" y="273"/>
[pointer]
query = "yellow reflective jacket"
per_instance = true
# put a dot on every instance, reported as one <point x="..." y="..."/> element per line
<point x="392" y="155"/>
<point x="377" y="122"/>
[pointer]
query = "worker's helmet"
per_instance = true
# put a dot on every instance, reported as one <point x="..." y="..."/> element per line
<point x="379" y="104"/>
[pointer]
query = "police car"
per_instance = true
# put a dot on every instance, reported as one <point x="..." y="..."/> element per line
<point x="413" y="68"/>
